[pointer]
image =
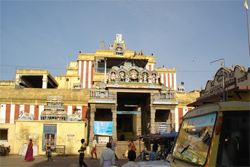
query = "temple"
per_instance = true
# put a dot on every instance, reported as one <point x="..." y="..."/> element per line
<point x="113" y="92"/>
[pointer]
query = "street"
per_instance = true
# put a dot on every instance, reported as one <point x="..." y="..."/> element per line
<point x="72" y="160"/>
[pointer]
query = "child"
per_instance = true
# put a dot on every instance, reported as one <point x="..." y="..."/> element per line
<point x="49" y="154"/>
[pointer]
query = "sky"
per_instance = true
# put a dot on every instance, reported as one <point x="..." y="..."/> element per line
<point x="183" y="34"/>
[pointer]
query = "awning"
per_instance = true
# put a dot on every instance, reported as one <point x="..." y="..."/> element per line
<point x="169" y="135"/>
<point x="159" y="136"/>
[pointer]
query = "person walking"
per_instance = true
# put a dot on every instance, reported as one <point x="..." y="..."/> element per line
<point x="132" y="146"/>
<point x="113" y="147"/>
<point x="131" y="158"/>
<point x="125" y="155"/>
<point x="49" y="154"/>
<point x="29" y="152"/>
<point x="81" y="156"/>
<point x="107" y="157"/>
<point x="94" y="148"/>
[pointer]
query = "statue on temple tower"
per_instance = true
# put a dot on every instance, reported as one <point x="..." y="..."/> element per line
<point x="122" y="76"/>
<point x="112" y="76"/>
<point x="144" y="77"/>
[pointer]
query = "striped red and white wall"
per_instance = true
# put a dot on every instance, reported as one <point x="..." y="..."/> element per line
<point x="10" y="112"/>
<point x="168" y="79"/>
<point x="180" y="112"/>
<point x="86" y="73"/>
<point x="150" y="67"/>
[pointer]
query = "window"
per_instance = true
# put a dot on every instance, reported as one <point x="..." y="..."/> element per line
<point x="234" y="140"/>
<point x="4" y="134"/>
<point x="101" y="67"/>
<point x="193" y="141"/>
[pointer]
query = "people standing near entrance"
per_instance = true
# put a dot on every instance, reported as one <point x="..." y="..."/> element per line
<point x="155" y="147"/>
<point x="49" y="154"/>
<point x="125" y="155"/>
<point x="107" y="157"/>
<point x="154" y="155"/>
<point x="94" y="148"/>
<point x="132" y="146"/>
<point x="131" y="158"/>
<point x="29" y="153"/>
<point x="113" y="147"/>
<point x="81" y="156"/>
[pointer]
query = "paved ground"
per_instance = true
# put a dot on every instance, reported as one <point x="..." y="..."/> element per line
<point x="17" y="161"/>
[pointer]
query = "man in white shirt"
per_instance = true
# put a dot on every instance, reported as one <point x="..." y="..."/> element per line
<point x="107" y="157"/>
<point x="131" y="157"/>
<point x="94" y="148"/>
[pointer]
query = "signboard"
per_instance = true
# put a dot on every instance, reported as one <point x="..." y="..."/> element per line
<point x="103" y="140"/>
<point x="103" y="128"/>
<point x="128" y="112"/>
<point x="199" y="122"/>
<point x="161" y="127"/>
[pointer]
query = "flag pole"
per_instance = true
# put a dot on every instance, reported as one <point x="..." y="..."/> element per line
<point x="248" y="33"/>
<point x="246" y="5"/>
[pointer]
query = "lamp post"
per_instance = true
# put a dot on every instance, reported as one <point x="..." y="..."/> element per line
<point x="223" y="79"/>
<point x="105" y="67"/>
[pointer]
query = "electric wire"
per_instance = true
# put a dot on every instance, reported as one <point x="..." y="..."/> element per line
<point x="51" y="67"/>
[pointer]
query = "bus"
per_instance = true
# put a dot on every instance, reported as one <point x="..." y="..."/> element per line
<point x="214" y="134"/>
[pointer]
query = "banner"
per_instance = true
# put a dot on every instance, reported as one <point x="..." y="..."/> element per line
<point x="103" y="128"/>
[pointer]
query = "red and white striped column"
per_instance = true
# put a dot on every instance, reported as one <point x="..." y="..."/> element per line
<point x="168" y="79"/>
<point x="85" y="73"/>
<point x="150" y="67"/>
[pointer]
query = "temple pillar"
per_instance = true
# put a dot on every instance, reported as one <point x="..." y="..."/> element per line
<point x="152" y="114"/>
<point x="91" y="123"/>
<point x="114" y="119"/>
<point x="45" y="81"/>
<point x="152" y="120"/>
<point x="172" y="120"/>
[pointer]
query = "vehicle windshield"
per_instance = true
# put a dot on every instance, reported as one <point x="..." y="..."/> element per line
<point x="194" y="139"/>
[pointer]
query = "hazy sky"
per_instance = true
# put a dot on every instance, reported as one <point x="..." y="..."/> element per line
<point x="185" y="34"/>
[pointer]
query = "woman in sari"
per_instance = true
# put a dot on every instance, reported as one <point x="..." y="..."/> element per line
<point x="29" y="153"/>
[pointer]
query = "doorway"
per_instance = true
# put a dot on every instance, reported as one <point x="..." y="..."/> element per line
<point x="125" y="127"/>
<point x="131" y="107"/>
<point x="49" y="135"/>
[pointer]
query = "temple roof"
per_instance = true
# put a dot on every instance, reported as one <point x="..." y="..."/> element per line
<point x="34" y="78"/>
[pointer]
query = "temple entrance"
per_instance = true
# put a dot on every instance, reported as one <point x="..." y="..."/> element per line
<point x="130" y="109"/>
<point x="125" y="127"/>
